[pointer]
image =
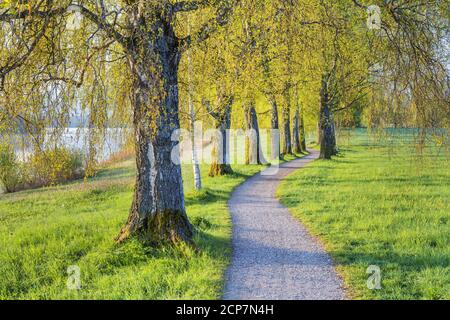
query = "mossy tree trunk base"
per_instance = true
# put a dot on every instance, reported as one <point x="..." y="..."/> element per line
<point x="217" y="170"/>
<point x="158" y="229"/>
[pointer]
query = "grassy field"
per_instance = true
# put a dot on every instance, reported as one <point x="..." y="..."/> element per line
<point x="44" y="231"/>
<point x="379" y="203"/>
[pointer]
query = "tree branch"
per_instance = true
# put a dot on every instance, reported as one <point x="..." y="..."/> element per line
<point x="8" y="17"/>
<point x="21" y="60"/>
<point x="102" y="24"/>
<point x="225" y="8"/>
<point x="186" y="6"/>
<point x="100" y="21"/>
<point x="359" y="4"/>
<point x="207" y="105"/>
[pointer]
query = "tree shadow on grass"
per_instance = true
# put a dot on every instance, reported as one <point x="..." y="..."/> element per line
<point x="401" y="274"/>
<point x="407" y="261"/>
<point x="121" y="172"/>
<point x="204" y="196"/>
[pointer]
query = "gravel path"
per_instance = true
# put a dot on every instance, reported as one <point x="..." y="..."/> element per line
<point x="274" y="256"/>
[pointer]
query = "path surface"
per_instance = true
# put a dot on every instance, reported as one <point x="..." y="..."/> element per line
<point x="274" y="256"/>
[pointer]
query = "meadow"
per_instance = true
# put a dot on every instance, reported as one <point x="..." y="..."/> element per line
<point x="45" y="231"/>
<point x="381" y="202"/>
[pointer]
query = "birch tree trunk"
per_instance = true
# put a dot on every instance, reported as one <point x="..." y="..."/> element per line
<point x="158" y="213"/>
<point x="195" y="164"/>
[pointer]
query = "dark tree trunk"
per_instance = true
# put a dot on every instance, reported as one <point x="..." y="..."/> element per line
<point x="158" y="213"/>
<point x="302" y="132"/>
<point x="333" y="136"/>
<point x="296" y="145"/>
<point x="326" y="134"/>
<point x="327" y="137"/>
<point x="275" y="126"/>
<point x="298" y="130"/>
<point x="220" y="155"/>
<point x="275" y="135"/>
<point x="288" y="84"/>
<point x="287" y="143"/>
<point x="253" y="154"/>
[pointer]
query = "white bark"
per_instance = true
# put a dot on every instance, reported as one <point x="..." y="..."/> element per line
<point x="195" y="164"/>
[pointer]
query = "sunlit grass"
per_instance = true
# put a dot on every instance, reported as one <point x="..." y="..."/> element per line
<point x="376" y="204"/>
<point x="44" y="231"/>
<point x="380" y="204"/>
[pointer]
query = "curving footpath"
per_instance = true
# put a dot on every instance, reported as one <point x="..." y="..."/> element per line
<point x="274" y="256"/>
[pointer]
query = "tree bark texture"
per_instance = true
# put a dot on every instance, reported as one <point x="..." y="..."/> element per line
<point x="327" y="137"/>
<point x="253" y="154"/>
<point x="275" y="136"/>
<point x="287" y="143"/>
<point x="158" y="211"/>
<point x="296" y="146"/>
<point x="302" y="133"/>
<point x="220" y="155"/>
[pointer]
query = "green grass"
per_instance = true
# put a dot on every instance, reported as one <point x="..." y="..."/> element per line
<point x="44" y="231"/>
<point x="380" y="204"/>
<point x="376" y="204"/>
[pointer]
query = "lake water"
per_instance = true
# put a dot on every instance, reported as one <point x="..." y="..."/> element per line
<point x="77" y="140"/>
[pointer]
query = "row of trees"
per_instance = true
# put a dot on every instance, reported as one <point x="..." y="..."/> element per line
<point x="293" y="65"/>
